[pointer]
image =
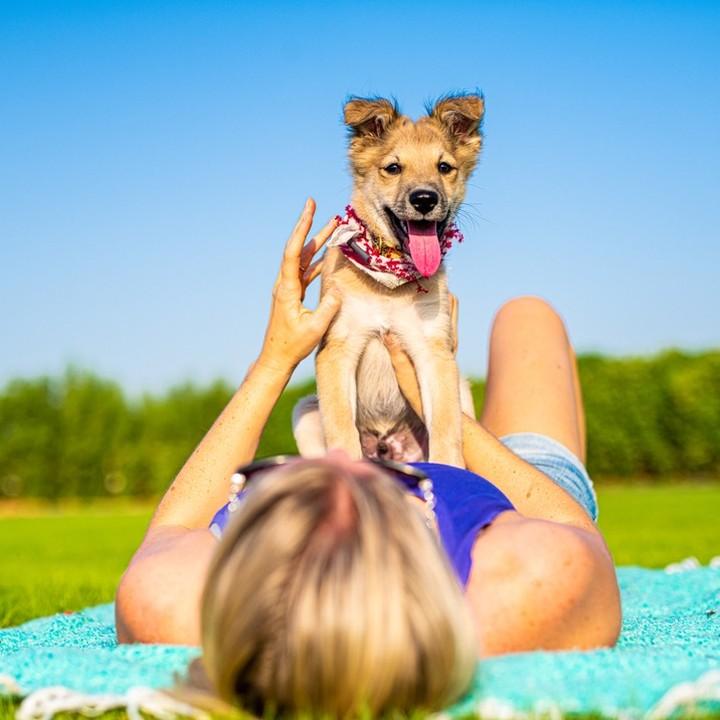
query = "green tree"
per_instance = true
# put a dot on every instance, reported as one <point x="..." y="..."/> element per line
<point x="78" y="435"/>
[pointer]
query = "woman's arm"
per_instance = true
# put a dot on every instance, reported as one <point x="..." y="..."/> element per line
<point x="159" y="596"/>
<point x="532" y="492"/>
<point x="201" y="486"/>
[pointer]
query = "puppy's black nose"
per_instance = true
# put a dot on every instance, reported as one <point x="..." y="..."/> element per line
<point x="424" y="200"/>
<point x="382" y="448"/>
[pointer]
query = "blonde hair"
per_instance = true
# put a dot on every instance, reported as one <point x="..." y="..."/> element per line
<point x="329" y="595"/>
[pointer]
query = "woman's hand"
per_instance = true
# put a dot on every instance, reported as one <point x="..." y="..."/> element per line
<point x="402" y="364"/>
<point x="293" y="331"/>
<point x="201" y="486"/>
<point x="404" y="372"/>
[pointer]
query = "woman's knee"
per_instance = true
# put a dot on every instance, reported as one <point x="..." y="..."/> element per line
<point x="529" y="310"/>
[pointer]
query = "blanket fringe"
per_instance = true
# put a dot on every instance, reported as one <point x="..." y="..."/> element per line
<point x="43" y="704"/>
<point x="690" y="563"/>
<point x="683" y="696"/>
<point x="687" y="695"/>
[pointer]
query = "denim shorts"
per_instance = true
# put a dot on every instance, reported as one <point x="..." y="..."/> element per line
<point x="563" y="467"/>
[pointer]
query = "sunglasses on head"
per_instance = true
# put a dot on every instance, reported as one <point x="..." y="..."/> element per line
<point x="411" y="478"/>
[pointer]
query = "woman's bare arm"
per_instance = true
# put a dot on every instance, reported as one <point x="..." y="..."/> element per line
<point x="532" y="492"/>
<point x="158" y="599"/>
<point x="201" y="486"/>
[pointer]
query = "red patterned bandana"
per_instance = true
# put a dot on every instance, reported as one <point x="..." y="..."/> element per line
<point x="390" y="266"/>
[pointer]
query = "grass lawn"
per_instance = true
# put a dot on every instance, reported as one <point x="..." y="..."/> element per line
<point x="654" y="526"/>
<point x="66" y="558"/>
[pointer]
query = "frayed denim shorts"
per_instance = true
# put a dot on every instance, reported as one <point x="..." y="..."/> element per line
<point x="563" y="467"/>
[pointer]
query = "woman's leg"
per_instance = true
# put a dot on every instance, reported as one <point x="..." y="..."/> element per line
<point x="532" y="383"/>
<point x="579" y="406"/>
<point x="565" y="579"/>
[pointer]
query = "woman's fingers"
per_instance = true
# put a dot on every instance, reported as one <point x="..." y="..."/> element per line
<point x="309" y="275"/>
<point x="293" y="330"/>
<point x="325" y="311"/>
<point x="315" y="244"/>
<point x="312" y="272"/>
<point x="298" y="269"/>
<point x="404" y="371"/>
<point x="454" y="310"/>
<point x="290" y="269"/>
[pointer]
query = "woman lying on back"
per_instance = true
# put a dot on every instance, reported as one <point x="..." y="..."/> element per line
<point x="338" y="585"/>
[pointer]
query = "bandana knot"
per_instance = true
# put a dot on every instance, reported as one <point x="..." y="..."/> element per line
<point x="389" y="266"/>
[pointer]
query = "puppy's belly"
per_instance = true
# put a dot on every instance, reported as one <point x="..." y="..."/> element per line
<point x="388" y="426"/>
<point x="378" y="393"/>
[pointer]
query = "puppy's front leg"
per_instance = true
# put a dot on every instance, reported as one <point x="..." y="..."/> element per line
<point x="439" y="382"/>
<point x="335" y="369"/>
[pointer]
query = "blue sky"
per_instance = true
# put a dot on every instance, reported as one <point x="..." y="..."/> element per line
<point x="153" y="157"/>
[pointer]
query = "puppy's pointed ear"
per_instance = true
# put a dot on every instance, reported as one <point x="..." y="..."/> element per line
<point x="369" y="117"/>
<point x="461" y="116"/>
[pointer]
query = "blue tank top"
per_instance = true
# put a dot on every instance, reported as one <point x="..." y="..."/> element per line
<point x="466" y="503"/>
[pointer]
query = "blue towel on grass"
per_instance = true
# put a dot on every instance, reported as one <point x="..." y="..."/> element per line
<point x="671" y="635"/>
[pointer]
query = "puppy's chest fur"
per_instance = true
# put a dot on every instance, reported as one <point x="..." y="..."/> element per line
<point x="368" y="309"/>
<point x="387" y="425"/>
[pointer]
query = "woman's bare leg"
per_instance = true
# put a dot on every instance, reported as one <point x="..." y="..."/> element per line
<point x="533" y="387"/>
<point x="579" y="406"/>
<point x="532" y="383"/>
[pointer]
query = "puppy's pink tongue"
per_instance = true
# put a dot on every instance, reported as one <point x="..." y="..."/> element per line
<point x="424" y="247"/>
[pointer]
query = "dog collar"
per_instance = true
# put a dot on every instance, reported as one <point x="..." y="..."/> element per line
<point x="387" y="265"/>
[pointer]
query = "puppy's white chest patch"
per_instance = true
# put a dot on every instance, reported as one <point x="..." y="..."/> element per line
<point x="367" y="312"/>
<point x="375" y="314"/>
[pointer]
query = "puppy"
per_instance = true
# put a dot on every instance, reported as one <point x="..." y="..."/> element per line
<point x="385" y="259"/>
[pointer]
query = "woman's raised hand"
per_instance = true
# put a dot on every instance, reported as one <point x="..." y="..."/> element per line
<point x="403" y="366"/>
<point x="293" y="330"/>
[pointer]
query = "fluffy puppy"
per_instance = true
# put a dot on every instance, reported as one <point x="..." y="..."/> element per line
<point x="385" y="260"/>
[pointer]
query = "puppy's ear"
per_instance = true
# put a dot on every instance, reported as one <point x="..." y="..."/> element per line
<point x="369" y="117"/>
<point x="461" y="116"/>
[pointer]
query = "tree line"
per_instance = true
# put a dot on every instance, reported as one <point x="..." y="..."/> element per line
<point x="650" y="418"/>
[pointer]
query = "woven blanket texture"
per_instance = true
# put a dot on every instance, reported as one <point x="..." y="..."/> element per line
<point x="671" y="635"/>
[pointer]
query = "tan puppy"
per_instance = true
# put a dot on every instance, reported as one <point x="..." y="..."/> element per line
<point x="409" y="181"/>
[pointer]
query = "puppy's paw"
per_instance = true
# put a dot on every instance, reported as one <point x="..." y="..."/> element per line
<point x="307" y="427"/>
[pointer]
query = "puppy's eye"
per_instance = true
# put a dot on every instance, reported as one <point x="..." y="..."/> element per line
<point x="393" y="169"/>
<point x="445" y="168"/>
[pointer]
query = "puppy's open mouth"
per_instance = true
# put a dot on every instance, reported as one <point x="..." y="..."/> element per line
<point x="421" y="239"/>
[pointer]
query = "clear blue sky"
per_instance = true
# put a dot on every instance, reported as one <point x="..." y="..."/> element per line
<point x="153" y="157"/>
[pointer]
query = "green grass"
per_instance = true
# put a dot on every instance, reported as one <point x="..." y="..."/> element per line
<point x="63" y="559"/>
<point x="654" y="526"/>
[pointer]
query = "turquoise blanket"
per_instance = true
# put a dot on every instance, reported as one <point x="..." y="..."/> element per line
<point x="671" y="635"/>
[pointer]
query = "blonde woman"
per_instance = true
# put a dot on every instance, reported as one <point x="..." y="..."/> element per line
<point x="337" y="585"/>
